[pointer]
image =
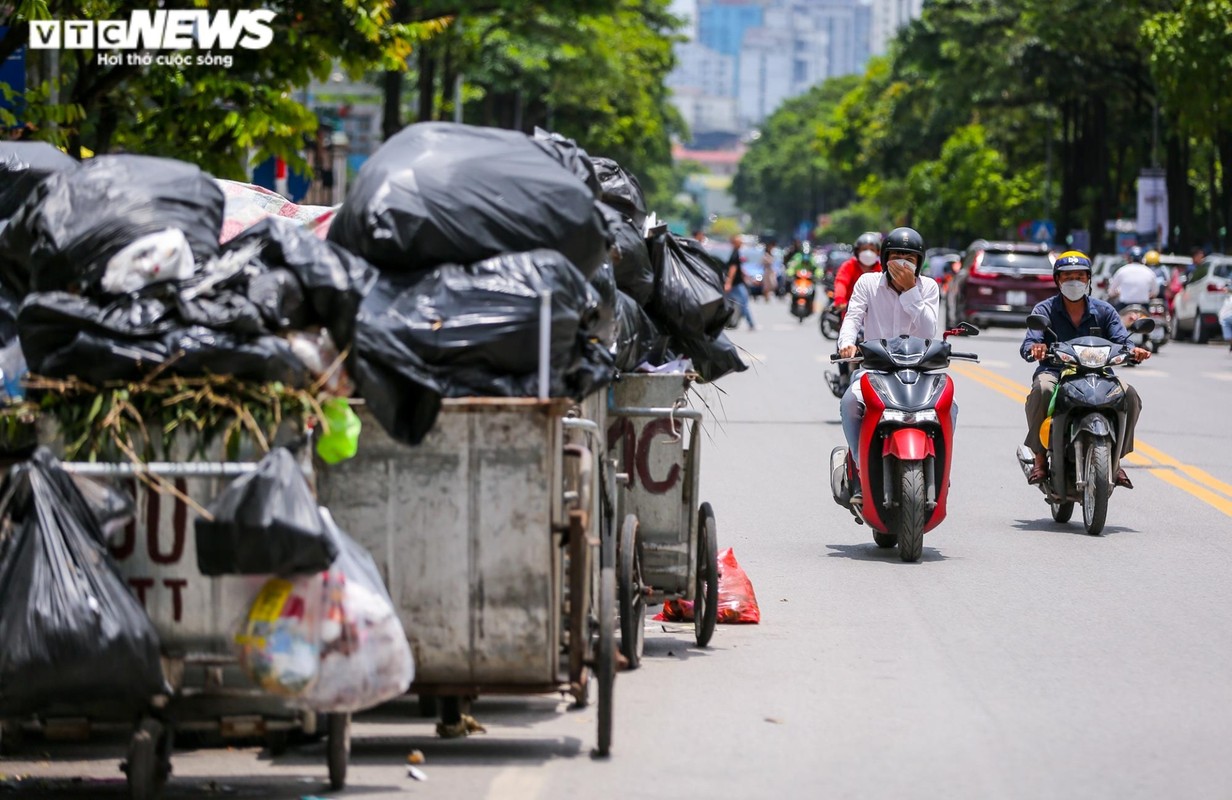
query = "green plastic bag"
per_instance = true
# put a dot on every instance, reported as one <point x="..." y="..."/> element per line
<point x="342" y="441"/>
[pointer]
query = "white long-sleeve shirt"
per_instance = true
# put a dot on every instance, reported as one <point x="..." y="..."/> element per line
<point x="1134" y="283"/>
<point x="886" y="314"/>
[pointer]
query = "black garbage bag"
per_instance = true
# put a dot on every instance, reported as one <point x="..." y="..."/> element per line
<point x="570" y="156"/>
<point x="72" y="630"/>
<point x="279" y="298"/>
<point x="712" y="358"/>
<point x="442" y="193"/>
<point x="75" y="221"/>
<point x="63" y="335"/>
<point x="112" y="507"/>
<point x="8" y="316"/>
<point x="462" y="331"/>
<point x="604" y="284"/>
<point x="637" y="338"/>
<point x="688" y="296"/>
<point x="333" y="281"/>
<point x="621" y="190"/>
<point x="635" y="274"/>
<point x="266" y="522"/>
<point x="22" y="166"/>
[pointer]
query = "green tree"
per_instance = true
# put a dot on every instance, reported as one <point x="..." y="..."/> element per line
<point x="968" y="191"/>
<point x="1191" y="64"/>
<point x="784" y="178"/>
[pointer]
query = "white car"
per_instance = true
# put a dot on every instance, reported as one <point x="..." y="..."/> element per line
<point x="1102" y="267"/>
<point x="1196" y="308"/>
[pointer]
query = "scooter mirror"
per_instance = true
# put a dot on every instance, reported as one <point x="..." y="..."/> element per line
<point x="1037" y="322"/>
<point x="968" y="329"/>
<point x="1143" y="325"/>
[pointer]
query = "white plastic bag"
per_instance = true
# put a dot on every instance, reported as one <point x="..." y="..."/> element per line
<point x="332" y="641"/>
<point x="162" y="256"/>
<point x="365" y="656"/>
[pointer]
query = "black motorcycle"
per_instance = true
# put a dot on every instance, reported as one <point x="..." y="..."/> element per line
<point x="1085" y="427"/>
<point x="803" y="293"/>
<point x="831" y="318"/>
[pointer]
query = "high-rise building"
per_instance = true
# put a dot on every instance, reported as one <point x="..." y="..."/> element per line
<point x="888" y="17"/>
<point x="758" y="53"/>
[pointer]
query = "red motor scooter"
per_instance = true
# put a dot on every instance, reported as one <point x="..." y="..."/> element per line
<point x="905" y="439"/>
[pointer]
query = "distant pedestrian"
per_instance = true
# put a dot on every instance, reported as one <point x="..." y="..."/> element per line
<point x="734" y="285"/>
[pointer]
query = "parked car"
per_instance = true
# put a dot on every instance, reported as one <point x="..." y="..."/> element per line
<point x="1196" y="307"/>
<point x="1000" y="282"/>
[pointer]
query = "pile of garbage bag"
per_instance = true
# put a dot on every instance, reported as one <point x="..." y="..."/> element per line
<point x="72" y="631"/>
<point x="22" y="166"/>
<point x="424" y="284"/>
<point x="460" y="331"/>
<point x="445" y="193"/>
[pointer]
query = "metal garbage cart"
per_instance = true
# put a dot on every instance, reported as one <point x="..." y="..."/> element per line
<point x="667" y="546"/>
<point x="490" y="537"/>
<point x="195" y="617"/>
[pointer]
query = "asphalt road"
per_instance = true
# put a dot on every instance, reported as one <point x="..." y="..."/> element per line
<point x="1019" y="659"/>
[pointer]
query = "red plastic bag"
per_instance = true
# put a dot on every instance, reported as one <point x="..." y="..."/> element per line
<point x="737" y="601"/>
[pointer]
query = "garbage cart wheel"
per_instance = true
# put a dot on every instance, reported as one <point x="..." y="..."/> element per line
<point x="149" y="760"/>
<point x="706" y="591"/>
<point x="339" y="749"/>
<point x="631" y="595"/>
<point x="605" y="668"/>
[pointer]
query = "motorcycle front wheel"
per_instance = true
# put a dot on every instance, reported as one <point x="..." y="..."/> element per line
<point x="1098" y="486"/>
<point x="908" y="522"/>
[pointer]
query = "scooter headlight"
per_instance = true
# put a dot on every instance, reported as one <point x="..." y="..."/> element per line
<point x="909" y="417"/>
<point x="1092" y="356"/>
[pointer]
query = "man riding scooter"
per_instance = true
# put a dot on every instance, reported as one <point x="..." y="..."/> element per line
<point x="865" y="259"/>
<point x="886" y="305"/>
<point x="1072" y="314"/>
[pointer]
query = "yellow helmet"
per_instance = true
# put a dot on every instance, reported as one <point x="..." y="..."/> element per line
<point x="1151" y="259"/>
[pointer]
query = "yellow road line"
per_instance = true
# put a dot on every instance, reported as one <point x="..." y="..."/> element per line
<point x="1199" y="483"/>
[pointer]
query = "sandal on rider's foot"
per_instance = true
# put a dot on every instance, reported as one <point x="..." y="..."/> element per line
<point x="1038" y="475"/>
<point x="1123" y="480"/>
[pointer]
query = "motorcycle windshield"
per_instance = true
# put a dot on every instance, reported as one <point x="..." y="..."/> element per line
<point x="905" y="352"/>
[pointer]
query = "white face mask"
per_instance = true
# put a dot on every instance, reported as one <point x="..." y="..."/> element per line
<point x="867" y="258"/>
<point x="1074" y="290"/>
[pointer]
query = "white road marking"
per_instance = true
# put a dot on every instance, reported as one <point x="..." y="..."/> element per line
<point x="1219" y="376"/>
<point x="1143" y="372"/>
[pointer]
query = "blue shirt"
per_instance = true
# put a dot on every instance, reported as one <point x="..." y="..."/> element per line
<point x="1099" y="319"/>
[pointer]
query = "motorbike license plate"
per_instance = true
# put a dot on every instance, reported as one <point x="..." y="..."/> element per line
<point x="1016" y="298"/>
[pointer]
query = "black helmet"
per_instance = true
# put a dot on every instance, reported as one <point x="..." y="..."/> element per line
<point x="904" y="240"/>
<point x="1135" y="254"/>
<point x="870" y="239"/>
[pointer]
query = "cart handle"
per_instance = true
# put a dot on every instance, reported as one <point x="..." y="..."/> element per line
<point x="169" y="469"/>
<point x="647" y="411"/>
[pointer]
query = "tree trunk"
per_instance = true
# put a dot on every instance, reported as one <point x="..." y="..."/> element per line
<point x="1178" y="195"/>
<point x="1097" y="145"/>
<point x="1224" y="140"/>
<point x="391" y="118"/>
<point x="1065" y="214"/>
<point x="427" y="82"/>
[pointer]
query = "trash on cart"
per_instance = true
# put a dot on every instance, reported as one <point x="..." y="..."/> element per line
<point x="621" y="190"/>
<point x="688" y="297"/>
<point x="76" y="221"/>
<point x="464" y="331"/>
<point x="72" y="630"/>
<point x="444" y="193"/>
<point x="637" y="339"/>
<point x="635" y="275"/>
<point x="22" y="166"/>
<point x="266" y="522"/>
<point x="331" y="640"/>
<point x="248" y="204"/>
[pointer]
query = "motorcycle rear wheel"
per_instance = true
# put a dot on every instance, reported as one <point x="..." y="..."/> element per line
<point x="908" y="524"/>
<point x="1061" y="512"/>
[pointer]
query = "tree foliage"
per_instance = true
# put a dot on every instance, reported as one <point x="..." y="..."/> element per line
<point x="987" y="113"/>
